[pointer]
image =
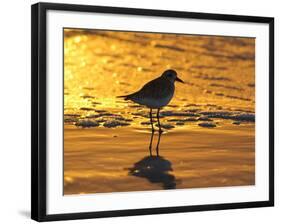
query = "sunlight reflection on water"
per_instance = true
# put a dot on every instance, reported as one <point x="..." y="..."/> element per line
<point x="204" y="120"/>
<point x="100" y="65"/>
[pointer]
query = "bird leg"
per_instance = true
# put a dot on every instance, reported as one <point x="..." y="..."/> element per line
<point x="151" y="121"/>
<point x="160" y="132"/>
<point x="152" y="132"/>
<point x="159" y="125"/>
<point x="158" y="142"/>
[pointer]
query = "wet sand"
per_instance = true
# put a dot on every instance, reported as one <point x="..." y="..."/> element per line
<point x="117" y="160"/>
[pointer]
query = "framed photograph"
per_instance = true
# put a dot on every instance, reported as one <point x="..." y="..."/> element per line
<point x="139" y="111"/>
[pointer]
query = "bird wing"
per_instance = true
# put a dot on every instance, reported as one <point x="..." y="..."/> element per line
<point x="155" y="89"/>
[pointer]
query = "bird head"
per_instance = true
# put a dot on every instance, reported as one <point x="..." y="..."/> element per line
<point x="171" y="75"/>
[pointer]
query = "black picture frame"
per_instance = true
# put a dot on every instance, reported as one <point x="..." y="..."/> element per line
<point x="39" y="108"/>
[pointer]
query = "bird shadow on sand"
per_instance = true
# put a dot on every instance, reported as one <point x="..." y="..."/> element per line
<point x="156" y="170"/>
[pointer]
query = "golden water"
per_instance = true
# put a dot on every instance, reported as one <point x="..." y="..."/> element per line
<point x="219" y="75"/>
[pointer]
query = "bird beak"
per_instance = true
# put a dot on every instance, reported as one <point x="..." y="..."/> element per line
<point x="179" y="80"/>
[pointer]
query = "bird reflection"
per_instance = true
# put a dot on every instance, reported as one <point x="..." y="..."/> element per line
<point x="156" y="170"/>
<point x="158" y="141"/>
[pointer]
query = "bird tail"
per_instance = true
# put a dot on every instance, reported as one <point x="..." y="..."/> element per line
<point x="125" y="97"/>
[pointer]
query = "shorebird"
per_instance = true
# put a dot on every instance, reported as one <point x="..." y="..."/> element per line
<point x="156" y="94"/>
